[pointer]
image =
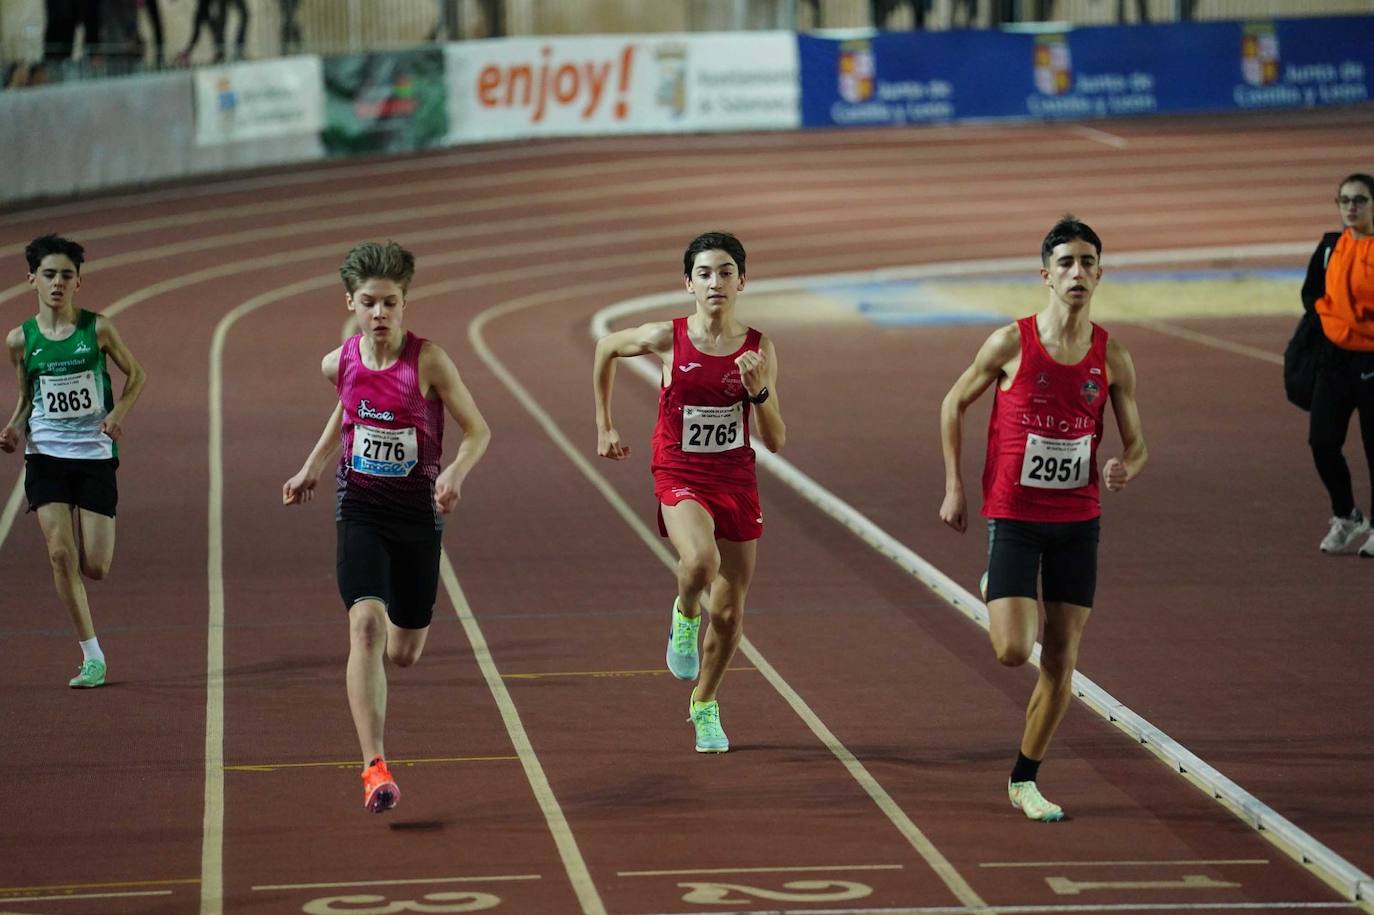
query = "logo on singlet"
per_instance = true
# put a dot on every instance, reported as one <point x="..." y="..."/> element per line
<point x="365" y="411"/>
<point x="732" y="384"/>
<point x="1091" y="390"/>
<point x="80" y="348"/>
<point x="1043" y="379"/>
<point x="689" y="366"/>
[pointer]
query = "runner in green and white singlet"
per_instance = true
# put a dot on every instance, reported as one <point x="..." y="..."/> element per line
<point x="72" y="420"/>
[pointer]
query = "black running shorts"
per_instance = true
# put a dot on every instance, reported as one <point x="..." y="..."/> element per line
<point x="1063" y="554"/>
<point x="85" y="483"/>
<point x="396" y="563"/>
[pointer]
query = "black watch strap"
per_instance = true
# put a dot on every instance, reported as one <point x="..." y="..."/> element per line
<point x="759" y="398"/>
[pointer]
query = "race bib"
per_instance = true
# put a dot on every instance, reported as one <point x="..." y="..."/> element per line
<point x="710" y="430"/>
<point x="70" y="396"/>
<point x="384" y="452"/>
<point x="1057" y="463"/>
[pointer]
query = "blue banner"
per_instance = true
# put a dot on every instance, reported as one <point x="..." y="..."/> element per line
<point x="1087" y="72"/>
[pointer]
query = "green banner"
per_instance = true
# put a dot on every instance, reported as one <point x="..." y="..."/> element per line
<point x="385" y="102"/>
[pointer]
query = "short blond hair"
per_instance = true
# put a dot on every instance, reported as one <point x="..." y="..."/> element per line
<point x="376" y="261"/>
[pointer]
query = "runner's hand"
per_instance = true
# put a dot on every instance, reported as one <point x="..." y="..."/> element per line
<point x="9" y="439"/>
<point x="448" y="492"/>
<point x="953" y="511"/>
<point x="111" y="428"/>
<point x="299" y="489"/>
<point x="1114" y="473"/>
<point x="751" y="365"/>
<point x="608" y="445"/>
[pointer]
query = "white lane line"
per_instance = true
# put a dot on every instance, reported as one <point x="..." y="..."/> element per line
<point x="7" y="900"/>
<point x="573" y="862"/>
<point x="267" y="888"/>
<point x="1047" y="909"/>
<point x="1193" y="336"/>
<point x="909" y="830"/>
<point x="1302" y="847"/>
<point x="762" y="870"/>
<point x="1099" y="136"/>
<point x="1183" y="863"/>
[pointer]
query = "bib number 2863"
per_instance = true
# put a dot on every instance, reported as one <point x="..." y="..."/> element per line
<point x="70" y="396"/>
<point x="1057" y="463"/>
<point x="709" y="430"/>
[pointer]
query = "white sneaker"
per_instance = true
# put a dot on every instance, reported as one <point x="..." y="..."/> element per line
<point x="1026" y="797"/>
<point x="1344" y="532"/>
<point x="1367" y="551"/>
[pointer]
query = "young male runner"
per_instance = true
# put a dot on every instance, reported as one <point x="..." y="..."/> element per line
<point x="68" y="411"/>
<point x="393" y="390"/>
<point x="1040" y="482"/>
<point x="719" y="385"/>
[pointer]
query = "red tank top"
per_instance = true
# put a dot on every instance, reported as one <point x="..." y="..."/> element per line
<point x="1043" y="435"/>
<point x="702" y="434"/>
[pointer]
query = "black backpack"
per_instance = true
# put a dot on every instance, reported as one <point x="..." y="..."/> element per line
<point x="1305" y="346"/>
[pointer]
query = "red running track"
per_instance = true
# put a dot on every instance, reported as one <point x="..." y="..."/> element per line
<point x="544" y="759"/>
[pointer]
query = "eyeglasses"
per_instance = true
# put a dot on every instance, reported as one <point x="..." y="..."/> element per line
<point x="1358" y="200"/>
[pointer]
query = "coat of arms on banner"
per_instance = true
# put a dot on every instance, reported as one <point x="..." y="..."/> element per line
<point x="671" y="89"/>
<point x="856" y="71"/>
<point x="1259" y="54"/>
<point x="1053" y="66"/>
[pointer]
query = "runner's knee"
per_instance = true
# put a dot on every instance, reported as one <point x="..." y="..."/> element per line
<point x="1010" y="652"/>
<point x="404" y="655"/>
<point x="62" y="556"/>
<point x="367" y="625"/>
<point x="699" y="567"/>
<point x="95" y="570"/>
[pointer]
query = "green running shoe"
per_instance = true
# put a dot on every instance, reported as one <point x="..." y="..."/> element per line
<point x="705" y="718"/>
<point x="683" y="660"/>
<point x="1026" y="797"/>
<point x="92" y="674"/>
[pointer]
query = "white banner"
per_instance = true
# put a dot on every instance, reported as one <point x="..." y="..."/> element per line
<point x="259" y="100"/>
<point x="529" y="87"/>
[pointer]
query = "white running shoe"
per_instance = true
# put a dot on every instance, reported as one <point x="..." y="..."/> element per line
<point x="1344" y="532"/>
<point x="1026" y="797"/>
<point x="1367" y="551"/>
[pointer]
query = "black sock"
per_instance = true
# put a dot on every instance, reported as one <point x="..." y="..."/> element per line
<point x="1025" y="769"/>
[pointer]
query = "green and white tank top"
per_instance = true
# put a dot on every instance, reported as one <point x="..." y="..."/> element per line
<point x="71" y="394"/>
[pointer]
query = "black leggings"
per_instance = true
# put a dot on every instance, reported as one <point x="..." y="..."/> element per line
<point x="1345" y="383"/>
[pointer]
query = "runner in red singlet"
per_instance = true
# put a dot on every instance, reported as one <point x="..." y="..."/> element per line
<point x="719" y="379"/>
<point x="1055" y="372"/>
<point x="394" y="388"/>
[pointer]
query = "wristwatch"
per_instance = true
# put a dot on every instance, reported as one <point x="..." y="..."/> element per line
<point x="759" y="398"/>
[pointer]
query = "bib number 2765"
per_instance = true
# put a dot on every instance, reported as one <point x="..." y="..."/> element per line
<point x="708" y="430"/>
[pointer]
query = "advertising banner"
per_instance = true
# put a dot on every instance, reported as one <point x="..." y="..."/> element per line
<point x="569" y="86"/>
<point x="388" y="102"/>
<point x="1089" y="72"/>
<point x="259" y="100"/>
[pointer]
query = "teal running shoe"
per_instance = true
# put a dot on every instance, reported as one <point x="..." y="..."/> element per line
<point x="1026" y="797"/>
<point x="91" y="675"/>
<point x="705" y="718"/>
<point x="683" y="660"/>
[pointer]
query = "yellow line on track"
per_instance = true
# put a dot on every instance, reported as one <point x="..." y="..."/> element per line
<point x="353" y="764"/>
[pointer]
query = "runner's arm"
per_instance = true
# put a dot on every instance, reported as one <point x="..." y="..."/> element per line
<point x="13" y="434"/>
<point x="1000" y="348"/>
<point x="134" y="376"/>
<point x="759" y="372"/>
<point x="1117" y="472"/>
<point x="438" y="372"/>
<point x="654" y="337"/>
<point x="301" y="487"/>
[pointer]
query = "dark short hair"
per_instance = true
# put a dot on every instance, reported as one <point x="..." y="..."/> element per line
<point x="713" y="241"/>
<point x="1361" y="177"/>
<point x="1068" y="228"/>
<point x="44" y="245"/>
<point x="376" y="261"/>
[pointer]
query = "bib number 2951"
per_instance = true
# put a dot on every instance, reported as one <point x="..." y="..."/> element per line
<point x="1056" y="463"/>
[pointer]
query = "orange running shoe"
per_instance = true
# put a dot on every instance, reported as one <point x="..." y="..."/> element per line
<point x="379" y="788"/>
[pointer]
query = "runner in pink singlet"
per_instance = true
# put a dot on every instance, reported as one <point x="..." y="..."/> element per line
<point x="1055" y="372"/>
<point x="718" y="388"/>
<point x="394" y="389"/>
